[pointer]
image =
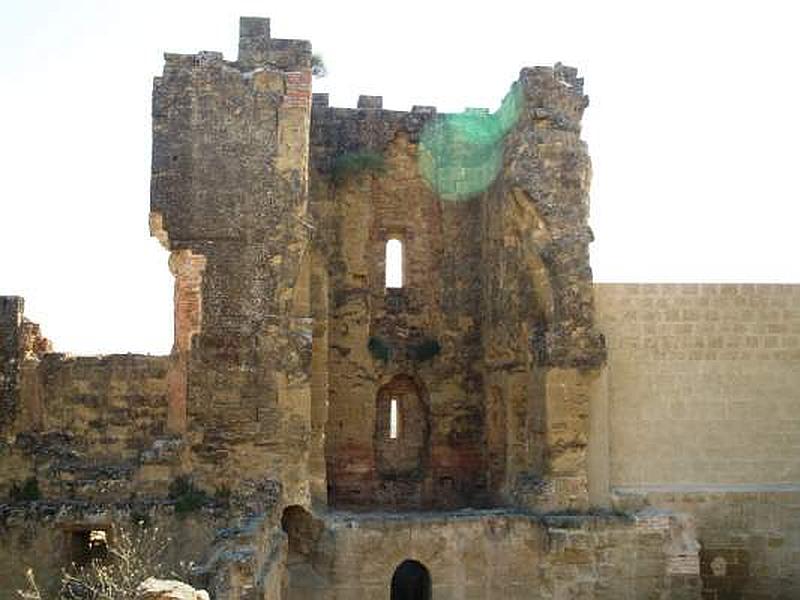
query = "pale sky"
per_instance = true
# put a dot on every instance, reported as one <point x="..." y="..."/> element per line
<point x="692" y="128"/>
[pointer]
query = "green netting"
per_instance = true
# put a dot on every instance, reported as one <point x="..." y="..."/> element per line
<point x="461" y="154"/>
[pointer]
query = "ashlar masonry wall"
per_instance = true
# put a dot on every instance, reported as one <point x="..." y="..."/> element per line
<point x="704" y="383"/>
<point x="702" y="415"/>
<point x="500" y="554"/>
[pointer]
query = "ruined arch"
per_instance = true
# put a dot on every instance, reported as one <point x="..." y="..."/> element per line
<point x="405" y="454"/>
<point x="411" y="581"/>
<point x="560" y="280"/>
<point x="537" y="273"/>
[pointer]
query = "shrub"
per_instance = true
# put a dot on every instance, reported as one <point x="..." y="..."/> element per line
<point x="318" y="68"/>
<point x="27" y="492"/>
<point x="424" y="350"/>
<point x="379" y="348"/>
<point x="187" y="496"/>
<point x="136" y="554"/>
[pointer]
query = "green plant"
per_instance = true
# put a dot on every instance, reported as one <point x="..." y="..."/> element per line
<point x="27" y="492"/>
<point x="353" y="163"/>
<point x="424" y="350"/>
<point x="379" y="348"/>
<point x="187" y="496"/>
<point x="318" y="68"/>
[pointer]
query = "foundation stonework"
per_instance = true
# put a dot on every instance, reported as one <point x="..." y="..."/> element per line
<point x="495" y="426"/>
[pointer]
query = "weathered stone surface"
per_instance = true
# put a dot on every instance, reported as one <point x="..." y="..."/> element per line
<point x="168" y="589"/>
<point x="497" y="554"/>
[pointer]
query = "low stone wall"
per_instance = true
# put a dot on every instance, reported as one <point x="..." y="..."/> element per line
<point x="501" y="554"/>
<point x="750" y="535"/>
<point x="89" y="427"/>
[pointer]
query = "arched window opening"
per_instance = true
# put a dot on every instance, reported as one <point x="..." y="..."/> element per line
<point x="394" y="263"/>
<point x="411" y="581"/>
<point x="393" y="417"/>
<point x="402" y="430"/>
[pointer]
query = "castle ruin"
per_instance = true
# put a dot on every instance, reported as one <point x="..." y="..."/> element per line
<point x="477" y="419"/>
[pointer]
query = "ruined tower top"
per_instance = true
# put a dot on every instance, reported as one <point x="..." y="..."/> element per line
<point x="253" y="41"/>
<point x="258" y="49"/>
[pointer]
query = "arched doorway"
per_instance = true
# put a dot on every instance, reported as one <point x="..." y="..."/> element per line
<point x="411" y="581"/>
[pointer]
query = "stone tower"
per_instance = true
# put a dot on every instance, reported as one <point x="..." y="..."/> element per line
<point x="290" y="347"/>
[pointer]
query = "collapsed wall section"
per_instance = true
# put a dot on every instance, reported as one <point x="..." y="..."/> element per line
<point x="77" y="428"/>
<point x="89" y="429"/>
<point x="542" y="353"/>
<point x="491" y="212"/>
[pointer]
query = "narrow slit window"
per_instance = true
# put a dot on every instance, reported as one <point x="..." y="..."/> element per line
<point x="393" y="419"/>
<point x="394" y="264"/>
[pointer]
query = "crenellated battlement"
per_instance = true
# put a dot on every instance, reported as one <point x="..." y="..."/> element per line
<point x="257" y="47"/>
<point x="257" y="51"/>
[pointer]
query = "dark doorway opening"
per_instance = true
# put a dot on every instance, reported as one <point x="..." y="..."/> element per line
<point x="302" y="531"/>
<point x="84" y="546"/>
<point x="411" y="581"/>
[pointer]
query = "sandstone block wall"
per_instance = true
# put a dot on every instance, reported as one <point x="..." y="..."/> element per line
<point x="498" y="554"/>
<point x="749" y="536"/>
<point x="703" y="416"/>
<point x="704" y="383"/>
<point x="438" y="303"/>
<point x="88" y="425"/>
<point x="496" y="276"/>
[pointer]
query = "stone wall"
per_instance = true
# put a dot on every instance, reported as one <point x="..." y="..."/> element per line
<point x="701" y="415"/>
<point x="500" y="554"/>
<point x="374" y="333"/>
<point x="542" y="353"/>
<point x="11" y="309"/>
<point x="749" y="535"/>
<point x="496" y="276"/>
<point x="80" y="427"/>
<point x="704" y="383"/>
<point x="88" y="427"/>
